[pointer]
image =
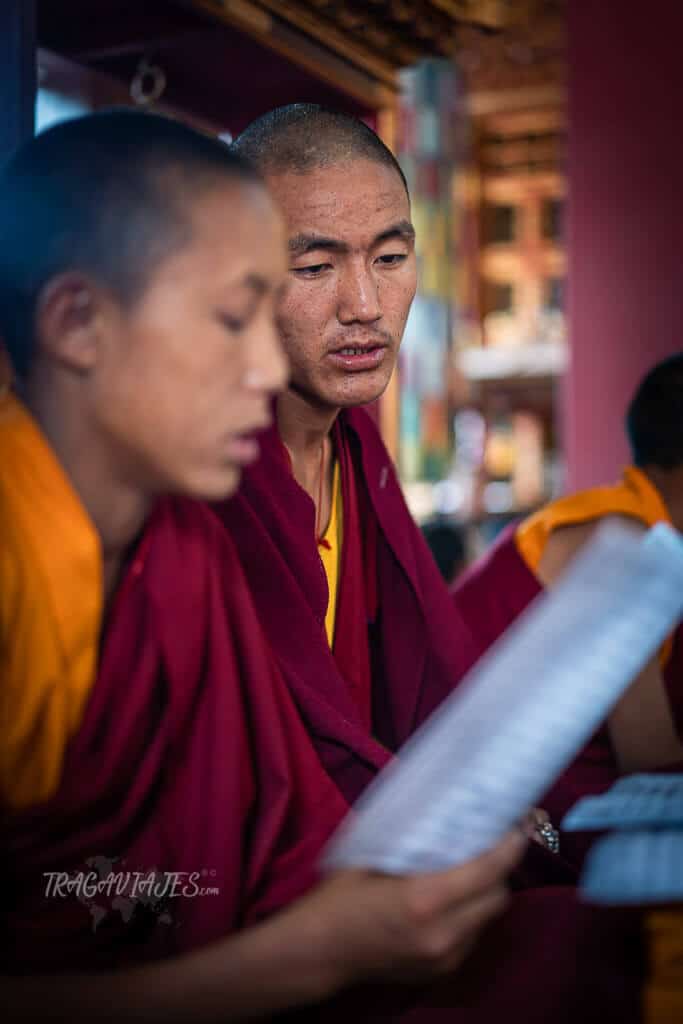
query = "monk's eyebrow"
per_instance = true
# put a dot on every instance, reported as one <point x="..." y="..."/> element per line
<point x="257" y="283"/>
<point x="303" y="243"/>
<point x="403" y="231"/>
<point x="254" y="283"/>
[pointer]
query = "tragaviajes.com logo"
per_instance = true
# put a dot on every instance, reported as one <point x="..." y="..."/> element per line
<point x="104" y="890"/>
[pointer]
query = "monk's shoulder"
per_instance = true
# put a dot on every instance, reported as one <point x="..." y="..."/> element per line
<point x="565" y="542"/>
<point x="11" y="579"/>
<point x="195" y="523"/>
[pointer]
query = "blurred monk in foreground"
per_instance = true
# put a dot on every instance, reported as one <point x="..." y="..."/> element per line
<point x="161" y="798"/>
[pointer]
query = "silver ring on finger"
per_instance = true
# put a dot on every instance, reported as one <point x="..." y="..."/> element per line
<point x="550" y="837"/>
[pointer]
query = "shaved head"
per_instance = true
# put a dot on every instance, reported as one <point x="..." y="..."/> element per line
<point x="303" y="137"/>
<point x="107" y="194"/>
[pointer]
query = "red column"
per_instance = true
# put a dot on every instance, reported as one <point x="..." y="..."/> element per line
<point x="625" y="224"/>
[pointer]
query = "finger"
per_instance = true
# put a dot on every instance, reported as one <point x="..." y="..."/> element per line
<point x="455" y="929"/>
<point x="503" y="857"/>
<point x="471" y="916"/>
<point x="533" y="820"/>
<point x="451" y="963"/>
<point x="529" y="827"/>
<point x="480" y="874"/>
<point x="447" y="964"/>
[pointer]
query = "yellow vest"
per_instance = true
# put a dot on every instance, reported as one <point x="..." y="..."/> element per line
<point x="330" y="552"/>
<point x="635" y="497"/>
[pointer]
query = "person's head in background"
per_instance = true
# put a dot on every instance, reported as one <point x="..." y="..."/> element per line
<point x="351" y="249"/>
<point x="654" y="427"/>
<point x="446" y="541"/>
<point x="139" y="267"/>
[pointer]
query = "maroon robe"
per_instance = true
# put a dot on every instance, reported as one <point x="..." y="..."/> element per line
<point x="538" y="962"/>
<point x="391" y="599"/>
<point x="191" y="758"/>
<point x="489" y="597"/>
<point x="418" y="648"/>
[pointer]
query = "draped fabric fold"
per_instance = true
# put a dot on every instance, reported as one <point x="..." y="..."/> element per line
<point x="190" y="758"/>
<point x="417" y="646"/>
<point x="392" y="596"/>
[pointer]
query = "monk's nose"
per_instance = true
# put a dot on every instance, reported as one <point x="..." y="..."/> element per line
<point x="358" y="297"/>
<point x="267" y="365"/>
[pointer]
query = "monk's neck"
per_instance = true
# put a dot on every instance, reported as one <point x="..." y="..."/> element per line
<point x="669" y="483"/>
<point x="117" y="511"/>
<point x="305" y="431"/>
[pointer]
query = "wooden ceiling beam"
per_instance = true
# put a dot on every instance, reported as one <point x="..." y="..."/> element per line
<point x="377" y="36"/>
<point x="494" y="14"/>
<point x="307" y="21"/>
<point x="358" y="80"/>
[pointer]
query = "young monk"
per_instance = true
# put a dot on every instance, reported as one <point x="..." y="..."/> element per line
<point x="644" y="729"/>
<point x="359" y="618"/>
<point x="147" y="741"/>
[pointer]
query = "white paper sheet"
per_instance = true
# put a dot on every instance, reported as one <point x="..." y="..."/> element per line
<point x="525" y="710"/>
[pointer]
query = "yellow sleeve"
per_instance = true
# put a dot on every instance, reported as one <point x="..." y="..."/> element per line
<point x="50" y="614"/>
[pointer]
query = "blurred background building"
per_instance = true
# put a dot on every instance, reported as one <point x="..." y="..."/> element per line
<point x="510" y="387"/>
<point x="482" y="141"/>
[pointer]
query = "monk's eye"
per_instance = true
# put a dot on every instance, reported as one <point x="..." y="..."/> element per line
<point x="232" y="322"/>
<point x="392" y="259"/>
<point x="313" y="270"/>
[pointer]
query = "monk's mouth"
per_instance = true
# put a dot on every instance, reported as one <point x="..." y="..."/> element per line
<point x="356" y="358"/>
<point x="242" y="449"/>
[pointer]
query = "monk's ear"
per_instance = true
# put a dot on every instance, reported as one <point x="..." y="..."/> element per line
<point x="70" y="318"/>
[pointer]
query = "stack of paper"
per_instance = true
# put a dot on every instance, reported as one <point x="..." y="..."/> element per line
<point x="642" y="862"/>
<point x="636" y="801"/>
<point x="497" y="744"/>
<point x="635" y="867"/>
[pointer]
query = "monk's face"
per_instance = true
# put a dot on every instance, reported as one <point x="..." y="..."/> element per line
<point x="183" y="379"/>
<point x="351" y="279"/>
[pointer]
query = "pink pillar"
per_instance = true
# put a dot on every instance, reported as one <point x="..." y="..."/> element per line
<point x="625" y="223"/>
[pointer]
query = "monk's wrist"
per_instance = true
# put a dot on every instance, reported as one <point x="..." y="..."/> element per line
<point x="322" y="960"/>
